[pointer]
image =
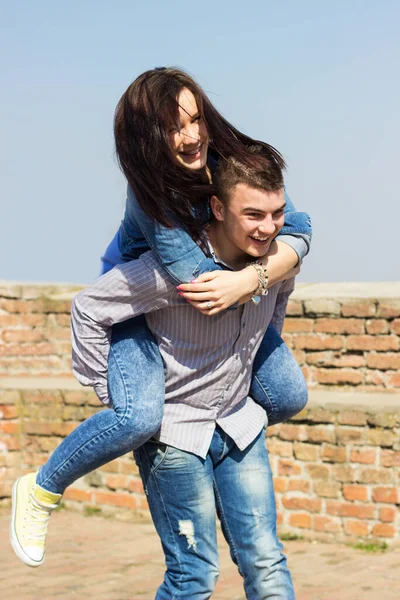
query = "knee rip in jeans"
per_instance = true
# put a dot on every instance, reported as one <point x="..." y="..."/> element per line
<point x="186" y="528"/>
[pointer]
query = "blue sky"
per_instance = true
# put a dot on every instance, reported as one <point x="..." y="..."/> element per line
<point x="317" y="79"/>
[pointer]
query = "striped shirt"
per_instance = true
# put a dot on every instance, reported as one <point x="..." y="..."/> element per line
<point x="208" y="360"/>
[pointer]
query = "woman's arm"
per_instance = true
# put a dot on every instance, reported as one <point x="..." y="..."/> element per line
<point x="184" y="261"/>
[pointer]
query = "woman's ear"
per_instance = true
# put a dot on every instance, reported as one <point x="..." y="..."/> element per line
<point x="217" y="208"/>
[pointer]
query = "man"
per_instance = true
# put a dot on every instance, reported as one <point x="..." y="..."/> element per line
<point x="209" y="456"/>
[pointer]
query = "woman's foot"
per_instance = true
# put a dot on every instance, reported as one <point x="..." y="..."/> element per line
<point x="31" y="510"/>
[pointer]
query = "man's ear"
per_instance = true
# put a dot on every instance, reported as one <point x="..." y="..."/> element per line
<point x="217" y="208"/>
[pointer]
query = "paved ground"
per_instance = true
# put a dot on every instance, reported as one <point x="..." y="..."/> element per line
<point x="93" y="557"/>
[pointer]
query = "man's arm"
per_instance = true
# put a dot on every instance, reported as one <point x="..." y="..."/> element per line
<point x="126" y="291"/>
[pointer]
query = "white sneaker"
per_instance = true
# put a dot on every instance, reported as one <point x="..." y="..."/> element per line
<point x="31" y="510"/>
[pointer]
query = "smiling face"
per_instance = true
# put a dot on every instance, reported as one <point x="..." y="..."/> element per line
<point x="247" y="223"/>
<point x="188" y="137"/>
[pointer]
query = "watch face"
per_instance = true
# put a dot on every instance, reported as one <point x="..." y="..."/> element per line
<point x="256" y="299"/>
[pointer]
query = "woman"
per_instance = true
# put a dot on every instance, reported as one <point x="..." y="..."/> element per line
<point x="168" y="139"/>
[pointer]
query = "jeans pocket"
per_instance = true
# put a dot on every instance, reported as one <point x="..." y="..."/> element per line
<point x="156" y="453"/>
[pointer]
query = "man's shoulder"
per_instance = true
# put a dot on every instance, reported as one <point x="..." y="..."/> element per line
<point x="152" y="264"/>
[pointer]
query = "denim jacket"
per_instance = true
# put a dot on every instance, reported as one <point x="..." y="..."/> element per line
<point x="181" y="257"/>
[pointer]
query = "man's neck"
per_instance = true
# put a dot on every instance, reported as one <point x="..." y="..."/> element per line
<point x="228" y="253"/>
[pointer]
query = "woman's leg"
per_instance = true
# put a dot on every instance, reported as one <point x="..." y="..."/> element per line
<point x="278" y="383"/>
<point x="136" y="386"/>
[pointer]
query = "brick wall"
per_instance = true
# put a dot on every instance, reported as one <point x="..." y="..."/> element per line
<point x="341" y="334"/>
<point x="336" y="466"/>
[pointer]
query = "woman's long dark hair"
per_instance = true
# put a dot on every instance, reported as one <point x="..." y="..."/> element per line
<point x="166" y="190"/>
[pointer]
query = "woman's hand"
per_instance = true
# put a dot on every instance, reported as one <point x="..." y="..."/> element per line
<point x="219" y="289"/>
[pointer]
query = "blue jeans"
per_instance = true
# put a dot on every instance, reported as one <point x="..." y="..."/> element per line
<point x="185" y="492"/>
<point x="136" y="387"/>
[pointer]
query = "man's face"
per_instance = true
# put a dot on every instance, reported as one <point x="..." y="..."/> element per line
<point x="248" y="221"/>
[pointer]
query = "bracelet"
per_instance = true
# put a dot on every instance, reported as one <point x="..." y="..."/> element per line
<point x="262" y="274"/>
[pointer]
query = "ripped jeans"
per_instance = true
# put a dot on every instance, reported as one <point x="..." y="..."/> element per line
<point x="186" y="493"/>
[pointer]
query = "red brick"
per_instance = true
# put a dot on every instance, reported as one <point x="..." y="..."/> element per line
<point x="112" y="467"/>
<point x="9" y="427"/>
<point x="339" y="326"/>
<point x="389" y="308"/>
<point x="300" y="503"/>
<point x="39" y="349"/>
<point x="321" y="433"/>
<point x="72" y="493"/>
<point x="384" y="530"/>
<point x="5" y="489"/>
<point x="339" y="376"/>
<point x="394" y="380"/>
<point x="293" y="325"/>
<point x="291" y="432"/>
<point x="320" y="415"/>
<point x="377" y="326"/>
<point x="355" y="435"/>
<point x="8" y="412"/>
<point x="288" y="339"/>
<point x="279" y="447"/>
<point x="389" y="458"/>
<point x="348" y="361"/>
<point x="320" y="359"/>
<point x="344" y="473"/>
<point x="381" y="437"/>
<point x="372" y="342"/>
<point x="301" y="520"/>
<point x="288" y="467"/>
<point x="318" y="471"/>
<point x="395" y="326"/>
<point x="388" y="495"/>
<point x="334" y="454"/>
<point x="22" y="335"/>
<point x="136" y="486"/>
<point x="22" y="306"/>
<point x="345" y="509"/>
<point x="352" y="417"/>
<point x="376" y="475"/>
<point x="326" y="524"/>
<point x="299" y="356"/>
<point x="374" y="378"/>
<point x="358" y="308"/>
<point x="327" y="489"/>
<point x="390" y="360"/>
<point x="63" y="320"/>
<point x="78" y="398"/>
<point x="306" y="452"/>
<point x="116" y="499"/>
<point x="357" y="528"/>
<point x="280" y="484"/>
<point x="355" y="492"/>
<point x="318" y="342"/>
<point x="117" y="481"/>
<point x="298" y="485"/>
<point x="387" y="514"/>
<point x="363" y="456"/>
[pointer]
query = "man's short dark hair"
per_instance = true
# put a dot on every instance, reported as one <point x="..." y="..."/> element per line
<point x="262" y="172"/>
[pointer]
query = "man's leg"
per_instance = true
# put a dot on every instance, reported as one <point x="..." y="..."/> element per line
<point x="179" y="487"/>
<point x="246" y="506"/>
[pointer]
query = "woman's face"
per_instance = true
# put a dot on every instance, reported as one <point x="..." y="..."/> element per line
<point x="189" y="137"/>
